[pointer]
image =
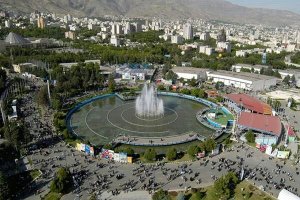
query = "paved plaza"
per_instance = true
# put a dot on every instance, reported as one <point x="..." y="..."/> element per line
<point x="112" y="180"/>
<point x="99" y="176"/>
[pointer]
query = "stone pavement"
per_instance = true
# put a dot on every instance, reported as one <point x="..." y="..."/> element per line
<point x="135" y="195"/>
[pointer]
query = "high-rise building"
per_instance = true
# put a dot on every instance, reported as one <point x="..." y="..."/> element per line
<point x="298" y="37"/>
<point x="204" y="36"/>
<point x="119" y="29"/>
<point x="187" y="31"/>
<point x="137" y="26"/>
<point x="71" y="35"/>
<point x="114" y="40"/>
<point x="128" y="28"/>
<point x="221" y="36"/>
<point x="7" y="23"/>
<point x="176" y="39"/>
<point x="113" y="29"/>
<point x="41" y="22"/>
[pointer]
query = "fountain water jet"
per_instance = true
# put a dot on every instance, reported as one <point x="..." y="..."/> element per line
<point x="147" y="104"/>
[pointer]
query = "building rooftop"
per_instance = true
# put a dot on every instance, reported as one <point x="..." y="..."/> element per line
<point x="250" y="103"/>
<point x="250" y="66"/>
<point x="243" y="75"/>
<point x="262" y="123"/>
<point x="13" y="38"/>
<point x="189" y="70"/>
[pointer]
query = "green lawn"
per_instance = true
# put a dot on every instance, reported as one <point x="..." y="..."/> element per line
<point x="34" y="173"/>
<point x="52" y="196"/>
<point x="244" y="190"/>
<point x="224" y="118"/>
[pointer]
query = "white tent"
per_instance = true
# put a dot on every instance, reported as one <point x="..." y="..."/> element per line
<point x="287" y="195"/>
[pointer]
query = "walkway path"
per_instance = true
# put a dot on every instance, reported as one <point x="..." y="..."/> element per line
<point x="159" y="141"/>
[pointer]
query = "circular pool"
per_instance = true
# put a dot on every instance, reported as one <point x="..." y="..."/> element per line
<point x="104" y="119"/>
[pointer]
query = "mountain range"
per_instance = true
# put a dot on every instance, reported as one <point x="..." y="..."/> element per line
<point x="172" y="9"/>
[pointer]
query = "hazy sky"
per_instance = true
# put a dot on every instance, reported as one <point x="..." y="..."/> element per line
<point x="292" y="5"/>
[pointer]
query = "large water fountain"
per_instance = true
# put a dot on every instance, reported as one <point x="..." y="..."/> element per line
<point x="147" y="104"/>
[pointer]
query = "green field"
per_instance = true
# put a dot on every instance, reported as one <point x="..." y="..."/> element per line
<point x="221" y="117"/>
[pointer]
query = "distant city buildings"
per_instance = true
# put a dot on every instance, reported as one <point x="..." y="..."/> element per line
<point x="70" y="35"/>
<point x="114" y="40"/>
<point x="176" y="39"/>
<point x="204" y="36"/>
<point x="7" y="23"/>
<point x="221" y="36"/>
<point x="188" y="31"/>
<point x="41" y="23"/>
<point x="206" y="50"/>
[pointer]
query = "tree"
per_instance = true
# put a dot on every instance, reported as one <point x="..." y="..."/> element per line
<point x="62" y="181"/>
<point x="185" y="91"/>
<point x="111" y="83"/>
<point x="210" y="145"/>
<point x="250" y="137"/>
<point x="161" y="87"/>
<point x="180" y="196"/>
<point x="161" y="195"/>
<point x="4" y="190"/>
<point x="193" y="82"/>
<point x="276" y="105"/>
<point x="286" y="80"/>
<point x="170" y="75"/>
<point x="197" y="196"/>
<point x="150" y="154"/>
<point x="171" y="154"/>
<point x="193" y="150"/>
<point x="219" y="84"/>
<point x="129" y="151"/>
<point x="42" y="96"/>
<point x="269" y="101"/>
<point x="224" y="187"/>
<point x="17" y="135"/>
<point x="293" y="79"/>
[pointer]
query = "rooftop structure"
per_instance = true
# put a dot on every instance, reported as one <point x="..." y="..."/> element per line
<point x="247" y="81"/>
<point x="13" y="38"/>
<point x="190" y="72"/>
<point x="261" y="123"/>
<point x="249" y="103"/>
<point x="285" y="194"/>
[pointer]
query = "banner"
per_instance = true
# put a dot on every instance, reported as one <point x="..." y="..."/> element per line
<point x="87" y="149"/>
<point x="117" y="157"/>
<point x="92" y="151"/>
<point x="107" y="154"/>
<point x="269" y="150"/>
<point x="78" y="146"/>
<point x="123" y="157"/>
<point x="129" y="160"/>
<point x="82" y="147"/>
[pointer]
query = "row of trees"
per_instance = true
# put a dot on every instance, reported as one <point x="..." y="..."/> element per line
<point x="17" y="134"/>
<point x="34" y="31"/>
<point x="206" y="146"/>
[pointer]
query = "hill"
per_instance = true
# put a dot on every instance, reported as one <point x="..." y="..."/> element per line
<point x="174" y="9"/>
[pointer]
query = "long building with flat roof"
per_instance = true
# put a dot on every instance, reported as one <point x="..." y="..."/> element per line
<point x="190" y="72"/>
<point x="243" y="80"/>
